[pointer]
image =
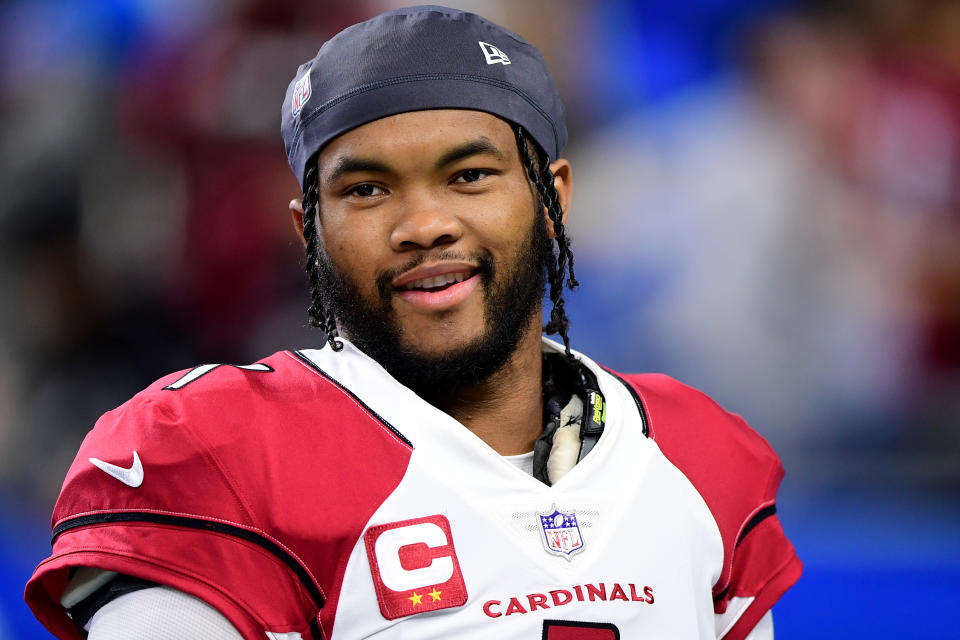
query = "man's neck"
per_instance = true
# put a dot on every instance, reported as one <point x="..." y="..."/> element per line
<point x="506" y="410"/>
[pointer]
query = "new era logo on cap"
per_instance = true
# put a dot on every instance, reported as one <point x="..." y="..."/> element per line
<point x="414" y="566"/>
<point x="492" y="54"/>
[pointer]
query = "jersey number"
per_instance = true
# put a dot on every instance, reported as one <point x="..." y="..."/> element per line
<point x="571" y="630"/>
<point x="204" y="369"/>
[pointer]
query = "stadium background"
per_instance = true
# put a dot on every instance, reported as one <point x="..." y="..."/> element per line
<point x="767" y="206"/>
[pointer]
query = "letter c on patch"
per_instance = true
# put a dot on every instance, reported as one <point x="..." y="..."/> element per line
<point x="387" y="549"/>
<point x="414" y="555"/>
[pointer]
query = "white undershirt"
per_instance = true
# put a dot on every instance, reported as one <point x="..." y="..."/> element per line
<point x="159" y="613"/>
<point x="522" y="461"/>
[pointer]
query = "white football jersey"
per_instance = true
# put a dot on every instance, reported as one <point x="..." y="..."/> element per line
<point x="312" y="495"/>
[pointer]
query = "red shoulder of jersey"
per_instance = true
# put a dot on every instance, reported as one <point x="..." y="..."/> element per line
<point x="218" y="474"/>
<point x="737" y="473"/>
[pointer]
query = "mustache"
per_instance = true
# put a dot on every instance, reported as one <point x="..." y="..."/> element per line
<point x="483" y="260"/>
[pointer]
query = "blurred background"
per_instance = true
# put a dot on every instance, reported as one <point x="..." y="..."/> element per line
<point x="767" y="207"/>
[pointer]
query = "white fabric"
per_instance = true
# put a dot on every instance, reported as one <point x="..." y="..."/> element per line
<point x="84" y="582"/>
<point x="625" y="486"/>
<point x="159" y="613"/>
<point x="723" y="622"/>
<point x="736" y="608"/>
<point x="522" y="461"/>
<point x="566" y="441"/>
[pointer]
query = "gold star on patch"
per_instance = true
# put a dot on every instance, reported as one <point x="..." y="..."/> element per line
<point x="435" y="595"/>
<point x="416" y="598"/>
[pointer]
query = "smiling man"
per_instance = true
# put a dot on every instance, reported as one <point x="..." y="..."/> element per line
<point x="437" y="468"/>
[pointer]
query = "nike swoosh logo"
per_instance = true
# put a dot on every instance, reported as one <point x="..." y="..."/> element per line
<point x="132" y="477"/>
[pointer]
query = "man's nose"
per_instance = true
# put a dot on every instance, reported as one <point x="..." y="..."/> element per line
<point x="425" y="223"/>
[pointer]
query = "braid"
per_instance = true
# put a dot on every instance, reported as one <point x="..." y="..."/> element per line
<point x="311" y="212"/>
<point x="537" y="166"/>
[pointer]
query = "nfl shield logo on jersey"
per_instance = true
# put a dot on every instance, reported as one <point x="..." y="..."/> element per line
<point x="561" y="533"/>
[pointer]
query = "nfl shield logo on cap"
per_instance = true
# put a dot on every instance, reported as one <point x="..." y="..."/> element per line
<point x="301" y="93"/>
<point x="561" y="533"/>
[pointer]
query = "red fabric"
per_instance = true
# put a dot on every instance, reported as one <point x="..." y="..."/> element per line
<point x="414" y="551"/>
<point x="760" y="550"/>
<point x="564" y="630"/>
<point x="251" y="449"/>
<point x="737" y="473"/>
<point x="210" y="566"/>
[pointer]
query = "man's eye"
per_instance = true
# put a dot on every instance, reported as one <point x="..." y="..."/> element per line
<point x="472" y="175"/>
<point x="366" y="190"/>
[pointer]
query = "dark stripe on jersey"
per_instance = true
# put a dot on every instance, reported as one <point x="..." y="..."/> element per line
<point x="198" y="523"/>
<point x="636" y="399"/>
<point x="313" y="365"/>
<point x="759" y="517"/>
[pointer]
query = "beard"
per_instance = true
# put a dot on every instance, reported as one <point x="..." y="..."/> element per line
<point x="510" y="299"/>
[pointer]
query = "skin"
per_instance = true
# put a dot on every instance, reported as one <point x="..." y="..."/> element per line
<point x="416" y="184"/>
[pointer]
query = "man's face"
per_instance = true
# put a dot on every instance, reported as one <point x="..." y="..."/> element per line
<point x="432" y="245"/>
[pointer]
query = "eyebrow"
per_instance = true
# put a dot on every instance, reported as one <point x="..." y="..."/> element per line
<point x="353" y="165"/>
<point x="480" y="146"/>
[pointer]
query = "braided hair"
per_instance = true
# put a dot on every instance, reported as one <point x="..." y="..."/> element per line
<point x="319" y="317"/>
<point x="559" y="270"/>
<point x="537" y="165"/>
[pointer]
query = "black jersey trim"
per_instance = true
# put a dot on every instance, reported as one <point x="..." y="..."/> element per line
<point x="757" y="518"/>
<point x="313" y="365"/>
<point x="636" y="400"/>
<point x="315" y="629"/>
<point x="206" y="525"/>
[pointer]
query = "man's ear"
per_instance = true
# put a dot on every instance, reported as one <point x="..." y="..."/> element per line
<point x="562" y="181"/>
<point x="296" y="212"/>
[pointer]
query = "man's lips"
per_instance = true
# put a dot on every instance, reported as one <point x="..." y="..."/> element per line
<point x="434" y="276"/>
<point x="437" y="287"/>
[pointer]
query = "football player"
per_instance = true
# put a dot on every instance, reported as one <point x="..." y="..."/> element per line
<point x="437" y="468"/>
